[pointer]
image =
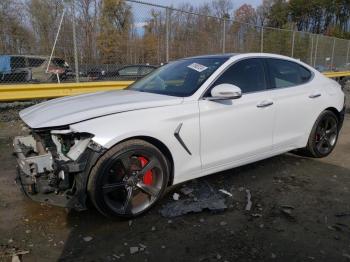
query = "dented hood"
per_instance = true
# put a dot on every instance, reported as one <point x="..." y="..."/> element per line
<point x="73" y="109"/>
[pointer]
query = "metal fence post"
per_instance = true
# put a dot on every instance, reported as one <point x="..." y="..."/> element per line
<point x="76" y="61"/>
<point x="347" y="54"/>
<point x="316" y="46"/>
<point x="224" y="37"/>
<point x="312" y="47"/>
<point x="262" y="40"/>
<point x="293" y="39"/>
<point x="167" y="33"/>
<point x="332" y="57"/>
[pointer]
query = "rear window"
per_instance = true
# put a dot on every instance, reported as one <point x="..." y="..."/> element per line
<point x="18" y="62"/>
<point x="129" y="71"/>
<point x="285" y="73"/>
<point x="145" y="70"/>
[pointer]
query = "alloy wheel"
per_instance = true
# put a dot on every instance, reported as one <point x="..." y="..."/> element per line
<point x="326" y="135"/>
<point x="132" y="182"/>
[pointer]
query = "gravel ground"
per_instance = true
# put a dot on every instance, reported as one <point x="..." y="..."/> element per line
<point x="300" y="212"/>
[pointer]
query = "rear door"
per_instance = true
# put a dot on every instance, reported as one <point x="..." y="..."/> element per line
<point x="297" y="102"/>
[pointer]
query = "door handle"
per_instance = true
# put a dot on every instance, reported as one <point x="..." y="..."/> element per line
<point x="264" y="104"/>
<point x="315" y="95"/>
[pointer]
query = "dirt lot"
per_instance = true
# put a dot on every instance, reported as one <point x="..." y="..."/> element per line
<point x="300" y="212"/>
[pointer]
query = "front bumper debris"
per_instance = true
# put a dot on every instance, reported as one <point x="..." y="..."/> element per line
<point x="44" y="177"/>
<point x="31" y="165"/>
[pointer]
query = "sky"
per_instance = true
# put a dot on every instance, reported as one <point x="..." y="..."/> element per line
<point x="236" y="3"/>
<point x="141" y="12"/>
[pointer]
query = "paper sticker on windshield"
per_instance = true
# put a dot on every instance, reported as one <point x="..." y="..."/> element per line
<point x="198" y="67"/>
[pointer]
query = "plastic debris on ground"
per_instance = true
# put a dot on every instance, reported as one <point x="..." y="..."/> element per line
<point x="249" y="201"/>
<point x="176" y="196"/>
<point x="225" y="192"/>
<point x="203" y="197"/>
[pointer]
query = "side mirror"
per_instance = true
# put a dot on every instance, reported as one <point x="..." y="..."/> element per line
<point x="225" y="92"/>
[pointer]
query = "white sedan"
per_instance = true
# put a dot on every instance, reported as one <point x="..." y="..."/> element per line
<point x="189" y="118"/>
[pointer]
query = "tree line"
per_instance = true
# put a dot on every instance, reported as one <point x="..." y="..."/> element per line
<point x="121" y="32"/>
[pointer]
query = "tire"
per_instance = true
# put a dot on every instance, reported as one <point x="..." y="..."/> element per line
<point x="28" y="76"/>
<point x="128" y="179"/>
<point x="323" y="136"/>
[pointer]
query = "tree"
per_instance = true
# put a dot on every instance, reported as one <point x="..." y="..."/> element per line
<point x="44" y="18"/>
<point x="222" y="8"/>
<point x="15" y="36"/>
<point x="263" y="12"/>
<point x="243" y="32"/>
<point x="87" y="12"/>
<point x="246" y="14"/>
<point x="115" y="23"/>
<point x="278" y="14"/>
<point x="152" y="39"/>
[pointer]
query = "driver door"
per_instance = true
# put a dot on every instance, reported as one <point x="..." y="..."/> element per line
<point x="240" y="130"/>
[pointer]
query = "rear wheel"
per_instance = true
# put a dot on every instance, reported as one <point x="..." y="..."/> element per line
<point x="324" y="135"/>
<point x="128" y="179"/>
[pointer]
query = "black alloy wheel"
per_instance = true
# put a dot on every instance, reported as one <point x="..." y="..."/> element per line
<point x="129" y="179"/>
<point x="324" y="135"/>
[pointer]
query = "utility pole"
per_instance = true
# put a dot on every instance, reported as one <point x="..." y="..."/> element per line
<point x="316" y="46"/>
<point x="224" y="36"/>
<point x="332" y="57"/>
<point x="76" y="62"/>
<point x="167" y="33"/>
<point x="262" y="40"/>
<point x="312" y="47"/>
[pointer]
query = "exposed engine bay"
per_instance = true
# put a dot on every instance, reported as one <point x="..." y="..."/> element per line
<point x="54" y="166"/>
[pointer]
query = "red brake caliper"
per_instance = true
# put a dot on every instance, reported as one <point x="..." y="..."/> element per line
<point x="148" y="177"/>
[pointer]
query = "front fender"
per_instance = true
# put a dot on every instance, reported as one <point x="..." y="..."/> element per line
<point x="158" y="123"/>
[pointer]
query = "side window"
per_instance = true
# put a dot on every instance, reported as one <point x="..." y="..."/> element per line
<point x="129" y="71"/>
<point x="305" y="74"/>
<point x="18" y="62"/>
<point x="247" y="74"/>
<point x="286" y="73"/>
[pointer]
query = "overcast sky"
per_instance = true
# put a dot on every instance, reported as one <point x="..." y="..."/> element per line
<point x="236" y="3"/>
<point x="142" y="12"/>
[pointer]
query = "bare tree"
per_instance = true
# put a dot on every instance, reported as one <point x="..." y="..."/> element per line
<point x="222" y="8"/>
<point x="263" y="12"/>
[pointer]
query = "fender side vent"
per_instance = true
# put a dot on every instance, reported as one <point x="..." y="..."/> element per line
<point x="178" y="137"/>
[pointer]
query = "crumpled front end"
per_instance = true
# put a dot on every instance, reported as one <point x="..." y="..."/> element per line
<point x="53" y="166"/>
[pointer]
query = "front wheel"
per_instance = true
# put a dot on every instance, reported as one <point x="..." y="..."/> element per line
<point x="128" y="179"/>
<point x="324" y="135"/>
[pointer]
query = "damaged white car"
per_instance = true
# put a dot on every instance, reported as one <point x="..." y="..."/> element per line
<point x="190" y="118"/>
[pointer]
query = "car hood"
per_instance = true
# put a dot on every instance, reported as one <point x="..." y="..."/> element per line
<point x="73" y="109"/>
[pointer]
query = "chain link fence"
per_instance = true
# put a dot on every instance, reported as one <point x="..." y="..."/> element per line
<point x="92" y="40"/>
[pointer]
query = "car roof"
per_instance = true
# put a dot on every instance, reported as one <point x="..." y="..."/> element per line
<point x="33" y="56"/>
<point x="137" y="66"/>
<point x="231" y="56"/>
<point x="252" y="54"/>
<point x="225" y="55"/>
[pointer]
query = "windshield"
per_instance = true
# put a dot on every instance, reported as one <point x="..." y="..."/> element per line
<point x="179" y="78"/>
